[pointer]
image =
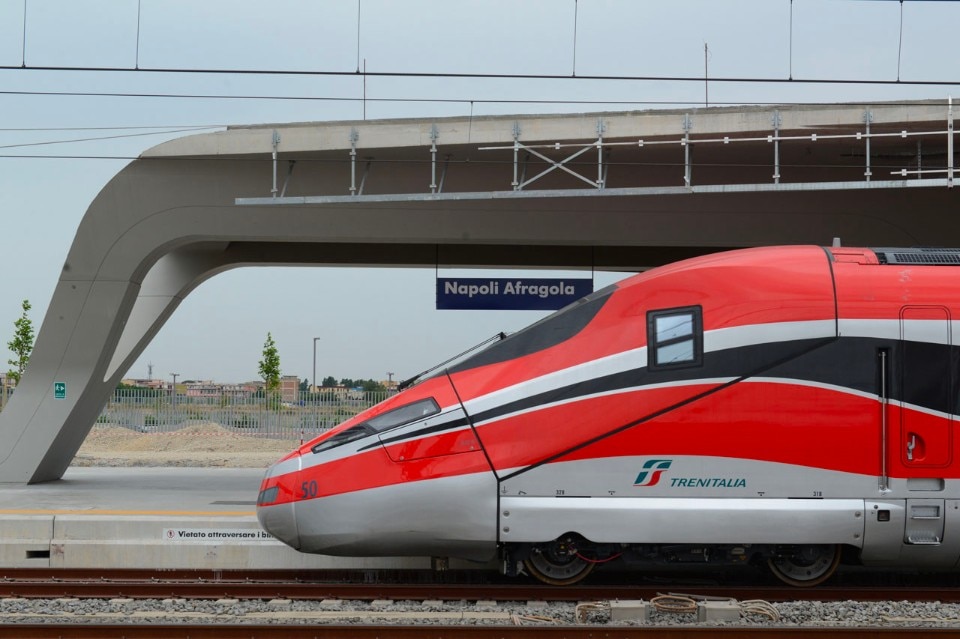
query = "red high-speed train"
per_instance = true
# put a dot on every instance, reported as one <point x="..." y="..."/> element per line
<point x="789" y="405"/>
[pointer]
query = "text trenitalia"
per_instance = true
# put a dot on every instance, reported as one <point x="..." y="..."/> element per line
<point x="708" y="482"/>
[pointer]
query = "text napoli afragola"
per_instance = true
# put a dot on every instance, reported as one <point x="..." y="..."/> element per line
<point x="517" y="287"/>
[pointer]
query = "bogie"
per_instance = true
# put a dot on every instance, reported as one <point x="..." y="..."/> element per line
<point x="560" y="562"/>
<point x="571" y="558"/>
<point x="805" y="566"/>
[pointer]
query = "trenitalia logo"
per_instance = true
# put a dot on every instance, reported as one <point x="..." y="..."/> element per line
<point x="652" y="469"/>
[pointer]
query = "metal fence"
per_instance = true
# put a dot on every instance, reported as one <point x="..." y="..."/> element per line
<point x="149" y="411"/>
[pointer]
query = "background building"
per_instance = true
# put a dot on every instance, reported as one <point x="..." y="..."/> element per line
<point x="289" y="388"/>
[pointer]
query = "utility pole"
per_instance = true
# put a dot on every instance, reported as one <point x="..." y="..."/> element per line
<point x="173" y="394"/>
<point x="315" y="363"/>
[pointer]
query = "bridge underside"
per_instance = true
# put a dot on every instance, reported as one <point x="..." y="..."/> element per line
<point x="175" y="218"/>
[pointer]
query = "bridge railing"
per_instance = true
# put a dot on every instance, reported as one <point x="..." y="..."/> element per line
<point x="911" y="150"/>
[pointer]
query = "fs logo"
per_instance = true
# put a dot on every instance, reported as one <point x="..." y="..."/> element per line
<point x="652" y="469"/>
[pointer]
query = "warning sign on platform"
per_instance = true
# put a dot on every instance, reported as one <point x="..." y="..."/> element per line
<point x="215" y="535"/>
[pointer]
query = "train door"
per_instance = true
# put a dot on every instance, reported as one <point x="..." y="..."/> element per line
<point x="925" y="417"/>
<point x="925" y="399"/>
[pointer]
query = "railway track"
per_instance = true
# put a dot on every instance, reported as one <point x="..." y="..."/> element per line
<point x="34" y="583"/>
<point x="182" y="631"/>
<point x="135" y="604"/>
<point x="367" y="592"/>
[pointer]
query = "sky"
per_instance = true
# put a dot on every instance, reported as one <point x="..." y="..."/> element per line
<point x="371" y="322"/>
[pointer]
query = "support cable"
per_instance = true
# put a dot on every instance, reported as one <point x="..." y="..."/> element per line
<point x="900" y="45"/>
<point x="23" y="51"/>
<point x="575" y="12"/>
<point x="136" y="62"/>
<point x="706" y="76"/>
<point x="790" y="76"/>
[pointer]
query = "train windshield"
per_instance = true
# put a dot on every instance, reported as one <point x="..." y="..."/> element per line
<point x="549" y="331"/>
<point x="385" y="421"/>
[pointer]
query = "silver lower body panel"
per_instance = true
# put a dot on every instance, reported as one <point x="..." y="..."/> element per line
<point x="280" y="521"/>
<point x="449" y="517"/>
<point x="684" y="520"/>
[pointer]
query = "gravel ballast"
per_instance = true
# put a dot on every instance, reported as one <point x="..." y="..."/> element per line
<point x="792" y="614"/>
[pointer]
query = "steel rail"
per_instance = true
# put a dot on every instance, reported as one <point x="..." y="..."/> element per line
<point x="249" y="631"/>
<point x="314" y="591"/>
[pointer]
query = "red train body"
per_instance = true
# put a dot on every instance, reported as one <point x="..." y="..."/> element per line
<point x="780" y="404"/>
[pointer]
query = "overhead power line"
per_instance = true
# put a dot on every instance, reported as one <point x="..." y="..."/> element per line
<point x="101" y="137"/>
<point x="486" y="76"/>
<point x="331" y="98"/>
<point x="167" y="128"/>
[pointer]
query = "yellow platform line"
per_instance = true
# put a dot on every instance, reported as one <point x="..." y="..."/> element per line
<point x="205" y="513"/>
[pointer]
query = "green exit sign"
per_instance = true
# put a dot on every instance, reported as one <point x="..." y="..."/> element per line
<point x="59" y="390"/>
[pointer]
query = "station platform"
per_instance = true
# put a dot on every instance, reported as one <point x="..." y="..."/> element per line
<point x="153" y="518"/>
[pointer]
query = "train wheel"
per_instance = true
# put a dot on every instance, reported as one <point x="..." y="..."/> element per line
<point x="806" y="566"/>
<point x="558" y="563"/>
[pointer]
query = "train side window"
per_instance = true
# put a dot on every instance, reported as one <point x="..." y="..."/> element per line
<point x="675" y="338"/>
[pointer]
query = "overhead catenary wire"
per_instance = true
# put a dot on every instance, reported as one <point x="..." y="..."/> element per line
<point x="362" y="72"/>
<point x="100" y="138"/>
<point x="168" y="128"/>
<point x="445" y="75"/>
<point x="425" y="100"/>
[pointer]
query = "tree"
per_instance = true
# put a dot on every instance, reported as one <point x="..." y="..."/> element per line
<point x="329" y="381"/>
<point x="370" y="386"/>
<point x="304" y="385"/>
<point x="22" y="343"/>
<point x="270" y="365"/>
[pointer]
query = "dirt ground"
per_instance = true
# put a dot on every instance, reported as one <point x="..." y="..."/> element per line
<point x="197" y="445"/>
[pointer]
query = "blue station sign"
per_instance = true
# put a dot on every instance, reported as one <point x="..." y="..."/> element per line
<point x="539" y="294"/>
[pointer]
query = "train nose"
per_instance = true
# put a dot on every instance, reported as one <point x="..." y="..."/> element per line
<point x="276" y="505"/>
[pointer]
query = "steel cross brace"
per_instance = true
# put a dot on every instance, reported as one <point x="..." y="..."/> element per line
<point x="554" y="164"/>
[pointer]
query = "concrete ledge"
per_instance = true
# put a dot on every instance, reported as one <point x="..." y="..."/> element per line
<point x="156" y="542"/>
<point x="26" y="541"/>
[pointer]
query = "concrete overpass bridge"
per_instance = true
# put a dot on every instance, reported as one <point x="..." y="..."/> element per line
<point x="603" y="190"/>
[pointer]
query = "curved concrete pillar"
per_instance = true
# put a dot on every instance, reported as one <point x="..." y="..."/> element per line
<point x="97" y="318"/>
